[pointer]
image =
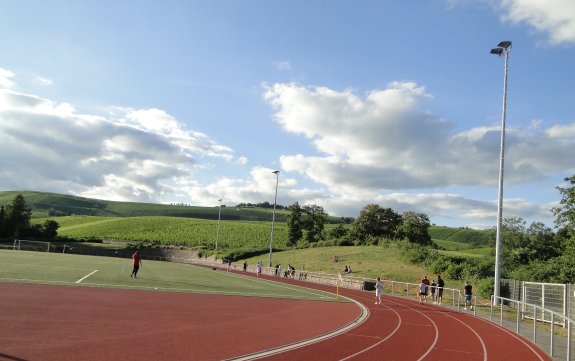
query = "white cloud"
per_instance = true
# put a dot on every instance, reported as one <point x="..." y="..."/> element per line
<point x="44" y="81"/>
<point x="5" y="76"/>
<point x="554" y="17"/>
<point x="125" y="155"/>
<point x="373" y="147"/>
<point x="562" y="131"/>
<point x="386" y="141"/>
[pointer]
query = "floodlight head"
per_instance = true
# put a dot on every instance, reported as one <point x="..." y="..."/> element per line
<point x="497" y="51"/>
<point x="504" y="44"/>
<point x="275" y="171"/>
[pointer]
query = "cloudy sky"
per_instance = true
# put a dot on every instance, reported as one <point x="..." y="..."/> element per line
<point x="396" y="103"/>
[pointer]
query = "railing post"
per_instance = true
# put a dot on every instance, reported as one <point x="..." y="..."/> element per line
<point x="491" y="308"/>
<point x="568" y="340"/>
<point x="501" y="312"/>
<point x="517" y="311"/>
<point x="552" y="331"/>
<point x="534" y="324"/>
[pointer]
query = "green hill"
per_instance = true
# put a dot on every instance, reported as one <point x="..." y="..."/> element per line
<point x="469" y="236"/>
<point x="45" y="204"/>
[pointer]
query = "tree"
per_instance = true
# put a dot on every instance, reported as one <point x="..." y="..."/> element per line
<point x="295" y="223"/>
<point x="314" y="222"/>
<point x="50" y="229"/>
<point x="375" y="221"/>
<point x="565" y="212"/>
<point x="18" y="217"/>
<point x="339" y="232"/>
<point x="3" y="222"/>
<point x="415" y="228"/>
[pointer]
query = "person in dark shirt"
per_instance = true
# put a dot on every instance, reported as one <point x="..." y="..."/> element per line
<point x="468" y="291"/>
<point x="440" y="285"/>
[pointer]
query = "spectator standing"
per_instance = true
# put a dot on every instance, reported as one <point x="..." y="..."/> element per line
<point x="440" y="285"/>
<point x="432" y="289"/>
<point x="468" y="291"/>
<point x="378" y="291"/>
<point x="245" y="266"/>
<point x="422" y="290"/>
<point x="137" y="262"/>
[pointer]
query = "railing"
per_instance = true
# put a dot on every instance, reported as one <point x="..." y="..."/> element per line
<point x="538" y="324"/>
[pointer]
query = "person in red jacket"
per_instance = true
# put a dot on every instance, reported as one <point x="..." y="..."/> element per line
<point x="137" y="260"/>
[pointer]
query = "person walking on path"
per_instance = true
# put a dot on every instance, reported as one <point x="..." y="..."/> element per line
<point x="440" y="285"/>
<point x="426" y="281"/>
<point x="378" y="291"/>
<point x="468" y="291"/>
<point x="259" y="268"/>
<point x="422" y="291"/>
<point x="245" y="266"/>
<point x="137" y="261"/>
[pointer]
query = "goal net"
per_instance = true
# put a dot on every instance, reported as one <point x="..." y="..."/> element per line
<point x="25" y="245"/>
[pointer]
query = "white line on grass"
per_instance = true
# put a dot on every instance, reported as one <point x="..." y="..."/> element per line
<point x="86" y="276"/>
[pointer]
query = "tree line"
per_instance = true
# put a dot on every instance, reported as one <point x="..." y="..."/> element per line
<point x="15" y="222"/>
<point x="374" y="224"/>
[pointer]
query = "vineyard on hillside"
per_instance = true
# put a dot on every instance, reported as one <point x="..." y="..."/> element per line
<point x="461" y="235"/>
<point x="173" y="231"/>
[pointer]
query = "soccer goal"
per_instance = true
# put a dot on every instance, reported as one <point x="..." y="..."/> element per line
<point x="25" y="245"/>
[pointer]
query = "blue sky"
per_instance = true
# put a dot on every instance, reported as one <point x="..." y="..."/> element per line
<point x="355" y="102"/>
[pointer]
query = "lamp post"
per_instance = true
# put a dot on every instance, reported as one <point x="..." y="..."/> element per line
<point x="219" y="217"/>
<point x="502" y="50"/>
<point x="277" y="173"/>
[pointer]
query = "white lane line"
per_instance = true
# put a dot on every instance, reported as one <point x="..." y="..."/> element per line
<point x="86" y="276"/>
<point x="400" y="323"/>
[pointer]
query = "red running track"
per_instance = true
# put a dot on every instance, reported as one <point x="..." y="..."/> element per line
<point x="41" y="322"/>
<point x="402" y="329"/>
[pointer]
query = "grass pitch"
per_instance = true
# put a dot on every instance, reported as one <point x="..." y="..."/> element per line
<point x="78" y="270"/>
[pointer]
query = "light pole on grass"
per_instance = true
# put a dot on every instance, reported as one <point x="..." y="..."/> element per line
<point x="277" y="173"/>
<point x="218" y="230"/>
<point x="502" y="50"/>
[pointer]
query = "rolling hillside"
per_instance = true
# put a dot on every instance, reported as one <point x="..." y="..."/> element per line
<point x="46" y="205"/>
<point x="53" y="204"/>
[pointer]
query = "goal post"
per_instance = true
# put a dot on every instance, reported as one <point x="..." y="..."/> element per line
<point x="26" y="245"/>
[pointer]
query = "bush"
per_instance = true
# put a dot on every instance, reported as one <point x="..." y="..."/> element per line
<point x="485" y="287"/>
<point x="344" y="242"/>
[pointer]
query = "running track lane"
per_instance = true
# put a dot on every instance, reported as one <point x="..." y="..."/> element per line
<point x="70" y="323"/>
<point x="402" y="329"/>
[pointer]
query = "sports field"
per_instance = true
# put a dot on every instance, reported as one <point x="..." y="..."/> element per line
<point x="78" y="270"/>
<point x="67" y="307"/>
<point x="71" y="307"/>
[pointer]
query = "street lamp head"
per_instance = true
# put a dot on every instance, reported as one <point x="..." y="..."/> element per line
<point x="276" y="172"/>
<point x="504" y="44"/>
<point x="497" y="51"/>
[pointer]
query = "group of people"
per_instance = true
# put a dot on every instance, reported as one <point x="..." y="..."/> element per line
<point x="426" y="287"/>
<point x="347" y="269"/>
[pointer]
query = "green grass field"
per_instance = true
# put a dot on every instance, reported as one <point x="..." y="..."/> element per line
<point x="76" y="270"/>
<point x="365" y="261"/>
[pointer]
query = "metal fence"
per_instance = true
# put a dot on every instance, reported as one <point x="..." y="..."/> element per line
<point x="556" y="297"/>
<point x="537" y="324"/>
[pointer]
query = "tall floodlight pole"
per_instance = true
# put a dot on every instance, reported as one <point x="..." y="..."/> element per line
<point x="502" y="50"/>
<point x="219" y="217"/>
<point x="277" y="173"/>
